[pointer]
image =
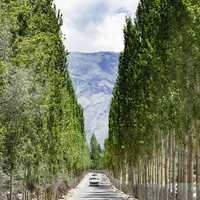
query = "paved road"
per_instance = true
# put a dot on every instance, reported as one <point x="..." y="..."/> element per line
<point x="103" y="192"/>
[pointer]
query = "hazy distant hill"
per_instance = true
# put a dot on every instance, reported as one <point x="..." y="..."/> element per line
<point x="93" y="76"/>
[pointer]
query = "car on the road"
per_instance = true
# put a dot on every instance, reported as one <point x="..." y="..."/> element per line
<point x="94" y="181"/>
<point x="94" y="175"/>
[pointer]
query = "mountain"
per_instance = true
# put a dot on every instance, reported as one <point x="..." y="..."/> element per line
<point x="93" y="76"/>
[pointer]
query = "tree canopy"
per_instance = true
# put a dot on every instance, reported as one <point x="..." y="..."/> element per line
<point x="154" y="114"/>
<point x="96" y="153"/>
<point x="42" y="136"/>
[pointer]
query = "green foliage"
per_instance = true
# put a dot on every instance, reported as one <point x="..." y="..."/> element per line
<point x="96" y="153"/>
<point x="41" y="123"/>
<point x="156" y="93"/>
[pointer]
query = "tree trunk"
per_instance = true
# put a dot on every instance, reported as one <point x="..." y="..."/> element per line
<point x="124" y="176"/>
<point x="162" y="169"/>
<point x="198" y="169"/>
<point x="139" y="196"/>
<point x="169" y="167"/>
<point x="185" y="166"/>
<point x="145" y="181"/>
<point x="173" y="168"/>
<point x="152" y="180"/>
<point x="182" y="171"/>
<point x="121" y="174"/>
<point x="179" y="191"/>
<point x="157" y="177"/>
<point x="11" y="184"/>
<point x="197" y="161"/>
<point x="130" y="178"/>
<point x="166" y="171"/>
<point x="190" y="168"/>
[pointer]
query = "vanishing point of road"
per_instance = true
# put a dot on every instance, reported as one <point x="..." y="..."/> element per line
<point x="105" y="191"/>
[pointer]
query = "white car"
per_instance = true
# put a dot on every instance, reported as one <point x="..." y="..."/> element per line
<point x="94" y="181"/>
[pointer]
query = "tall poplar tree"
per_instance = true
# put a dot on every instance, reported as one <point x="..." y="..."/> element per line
<point x="153" y="122"/>
<point x="41" y="123"/>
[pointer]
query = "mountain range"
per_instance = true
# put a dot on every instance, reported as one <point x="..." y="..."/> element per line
<point x="93" y="76"/>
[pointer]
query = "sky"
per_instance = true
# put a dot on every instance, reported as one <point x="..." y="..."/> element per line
<point x="94" y="25"/>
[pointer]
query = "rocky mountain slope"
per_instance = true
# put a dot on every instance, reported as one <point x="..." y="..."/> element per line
<point x="94" y="76"/>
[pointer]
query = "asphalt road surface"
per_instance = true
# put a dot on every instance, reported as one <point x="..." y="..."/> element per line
<point x="103" y="192"/>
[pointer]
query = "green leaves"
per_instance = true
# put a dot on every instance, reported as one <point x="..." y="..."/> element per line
<point x="157" y="90"/>
<point x="42" y="124"/>
<point x="95" y="154"/>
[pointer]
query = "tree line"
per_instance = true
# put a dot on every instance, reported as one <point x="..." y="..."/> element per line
<point x="153" y="146"/>
<point x="95" y="154"/>
<point x="42" y="137"/>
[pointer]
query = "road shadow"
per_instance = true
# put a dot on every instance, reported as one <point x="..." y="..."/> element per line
<point x="102" y="192"/>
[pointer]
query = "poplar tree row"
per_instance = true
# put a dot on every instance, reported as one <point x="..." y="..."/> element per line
<point x="153" y="146"/>
<point x="96" y="153"/>
<point x="42" y="138"/>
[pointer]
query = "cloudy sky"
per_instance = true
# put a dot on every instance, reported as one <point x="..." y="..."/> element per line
<point x="95" y="25"/>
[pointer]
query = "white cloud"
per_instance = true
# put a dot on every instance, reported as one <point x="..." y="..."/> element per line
<point x="95" y="25"/>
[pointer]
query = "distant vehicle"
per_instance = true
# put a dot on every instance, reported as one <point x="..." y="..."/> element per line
<point x="94" y="174"/>
<point x="94" y="180"/>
